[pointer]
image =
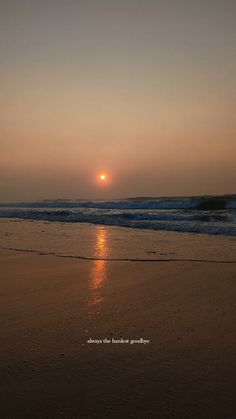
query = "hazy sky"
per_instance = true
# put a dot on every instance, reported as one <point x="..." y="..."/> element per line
<point x="144" y="90"/>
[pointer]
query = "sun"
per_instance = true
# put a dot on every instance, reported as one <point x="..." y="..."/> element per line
<point x="103" y="178"/>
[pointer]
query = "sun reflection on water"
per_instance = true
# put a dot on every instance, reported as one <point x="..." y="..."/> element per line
<point x="98" y="274"/>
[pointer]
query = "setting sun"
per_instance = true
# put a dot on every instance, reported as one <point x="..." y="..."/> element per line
<point x="103" y="178"/>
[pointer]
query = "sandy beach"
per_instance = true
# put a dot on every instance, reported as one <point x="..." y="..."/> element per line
<point x="51" y="306"/>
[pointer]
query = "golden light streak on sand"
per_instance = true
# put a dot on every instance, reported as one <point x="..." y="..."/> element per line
<point x="98" y="275"/>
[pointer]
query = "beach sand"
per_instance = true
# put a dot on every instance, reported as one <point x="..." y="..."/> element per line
<point x="51" y="306"/>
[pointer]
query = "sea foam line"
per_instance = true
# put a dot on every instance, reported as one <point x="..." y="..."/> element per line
<point x="43" y="253"/>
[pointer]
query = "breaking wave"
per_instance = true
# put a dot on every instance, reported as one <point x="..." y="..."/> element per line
<point x="211" y="215"/>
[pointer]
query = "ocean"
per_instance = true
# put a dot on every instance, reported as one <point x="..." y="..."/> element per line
<point x="209" y="215"/>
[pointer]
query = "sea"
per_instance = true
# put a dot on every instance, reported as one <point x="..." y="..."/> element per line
<point x="213" y="215"/>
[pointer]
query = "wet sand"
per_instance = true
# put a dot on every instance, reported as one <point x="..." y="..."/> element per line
<point x="51" y="306"/>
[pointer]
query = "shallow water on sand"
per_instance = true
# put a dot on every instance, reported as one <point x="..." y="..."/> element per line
<point x="106" y="242"/>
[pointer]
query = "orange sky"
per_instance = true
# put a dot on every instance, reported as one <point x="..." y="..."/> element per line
<point x="144" y="91"/>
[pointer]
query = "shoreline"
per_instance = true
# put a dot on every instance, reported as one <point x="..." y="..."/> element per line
<point x="198" y="215"/>
<point x="123" y="227"/>
<point x="177" y="260"/>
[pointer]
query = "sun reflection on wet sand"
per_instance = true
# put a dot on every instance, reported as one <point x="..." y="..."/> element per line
<point x="98" y="274"/>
